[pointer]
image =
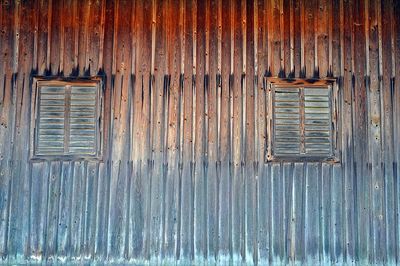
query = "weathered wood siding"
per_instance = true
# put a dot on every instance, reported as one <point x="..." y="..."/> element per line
<point x="184" y="176"/>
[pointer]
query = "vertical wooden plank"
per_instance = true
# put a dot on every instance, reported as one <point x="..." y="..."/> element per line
<point x="136" y="218"/>
<point x="116" y="218"/>
<point x="53" y="201"/>
<point x="287" y="38"/>
<point x="42" y="36"/>
<point x="282" y="38"/>
<point x="323" y="62"/>
<point x="277" y="210"/>
<point x="107" y="59"/>
<point x="212" y="162"/>
<point x="309" y="39"/>
<point x="338" y="207"/>
<point x="255" y="29"/>
<point x="134" y="214"/>
<point x="264" y="215"/>
<point x="180" y="130"/>
<point x="80" y="206"/>
<point x="200" y="139"/>
<point x="77" y="211"/>
<point x="225" y="148"/>
<point x="311" y="226"/>
<point x="95" y="38"/>
<point x="298" y="39"/>
<point x="6" y="117"/>
<point x="388" y="142"/>
<point x="373" y="86"/>
<point x="287" y="206"/>
<point x="171" y="154"/>
<point x="75" y="30"/>
<point x="157" y="189"/>
<point x="302" y="40"/>
<point x="186" y="244"/>
<point x="275" y="38"/>
<point x="82" y="37"/>
<point x="194" y="127"/>
<point x="249" y="132"/>
<point x="5" y="174"/>
<point x="67" y="37"/>
<point x="55" y="49"/>
<point x="297" y="218"/>
<point x="38" y="208"/>
<point x="243" y="133"/>
<point x="64" y="214"/>
<point x="325" y="202"/>
<point x="89" y="237"/>
<point x="100" y="246"/>
<point x="263" y="40"/>
<point x="291" y="224"/>
<point x="140" y="149"/>
<point x="360" y="131"/>
<point x="122" y="62"/>
<point x="126" y="113"/>
<point x="236" y="120"/>
<point x="395" y="86"/>
<point x="120" y="148"/>
<point x="49" y="37"/>
<point x="336" y="218"/>
<point x="218" y="85"/>
<point x="346" y="51"/>
<point x="13" y="235"/>
<point x="46" y="205"/>
<point x="263" y="205"/>
<point x="335" y="17"/>
<point x="126" y="190"/>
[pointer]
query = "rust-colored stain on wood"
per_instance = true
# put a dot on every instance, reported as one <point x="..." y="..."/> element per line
<point x="183" y="177"/>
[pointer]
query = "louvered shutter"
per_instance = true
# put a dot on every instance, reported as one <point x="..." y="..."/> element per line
<point x="67" y="121"/>
<point x="83" y="110"/>
<point x="287" y="121"/>
<point x="317" y="121"/>
<point x="51" y="121"/>
<point x="302" y="119"/>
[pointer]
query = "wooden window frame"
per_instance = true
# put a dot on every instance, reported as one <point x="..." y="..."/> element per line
<point x="335" y="125"/>
<point x="39" y="82"/>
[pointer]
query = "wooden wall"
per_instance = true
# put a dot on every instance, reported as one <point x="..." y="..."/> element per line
<point x="184" y="176"/>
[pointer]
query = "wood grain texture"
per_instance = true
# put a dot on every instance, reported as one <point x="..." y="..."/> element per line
<point x="183" y="177"/>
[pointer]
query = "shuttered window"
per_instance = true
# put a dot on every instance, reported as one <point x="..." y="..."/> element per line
<point x="301" y="121"/>
<point x="67" y="120"/>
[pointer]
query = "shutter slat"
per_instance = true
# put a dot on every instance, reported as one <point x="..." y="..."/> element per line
<point x="58" y="90"/>
<point x="281" y="133"/>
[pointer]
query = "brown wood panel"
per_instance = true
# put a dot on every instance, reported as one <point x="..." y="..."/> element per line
<point x="323" y="61"/>
<point x="95" y="29"/>
<point x="67" y="36"/>
<point x="309" y="18"/>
